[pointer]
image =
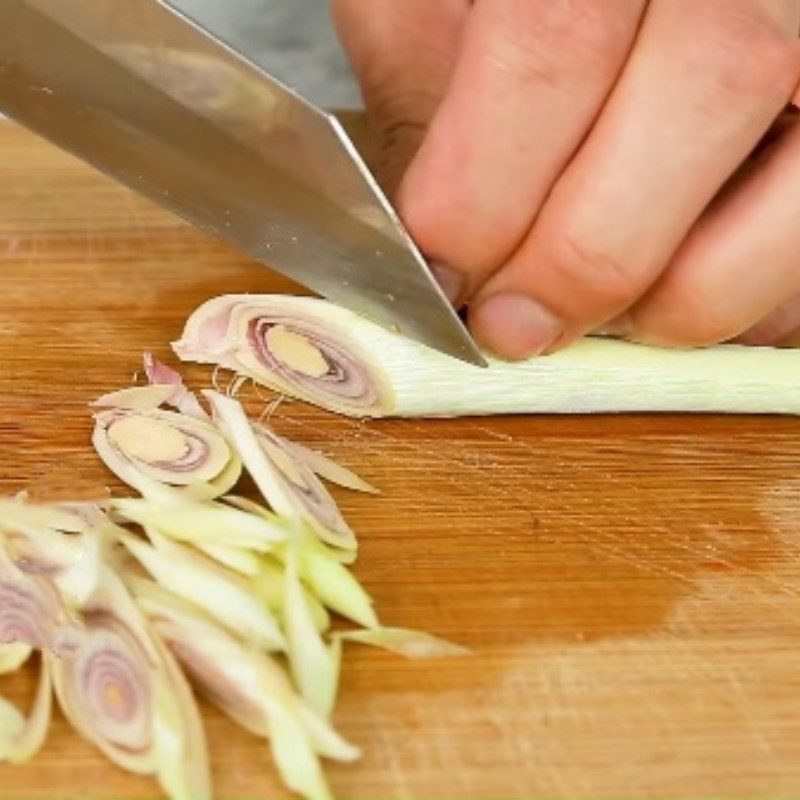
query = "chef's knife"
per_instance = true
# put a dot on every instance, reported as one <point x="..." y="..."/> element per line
<point x="152" y="99"/>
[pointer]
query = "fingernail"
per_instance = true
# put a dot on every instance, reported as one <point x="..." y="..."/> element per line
<point x="450" y="280"/>
<point x="515" y="326"/>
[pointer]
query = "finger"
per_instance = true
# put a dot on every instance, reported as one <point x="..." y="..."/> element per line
<point x="780" y="327"/>
<point x="530" y="79"/>
<point x="741" y="262"/>
<point x="703" y="84"/>
<point x="403" y="54"/>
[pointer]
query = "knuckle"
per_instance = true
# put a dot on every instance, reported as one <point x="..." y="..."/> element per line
<point x="594" y="271"/>
<point x="742" y="53"/>
<point x="550" y="42"/>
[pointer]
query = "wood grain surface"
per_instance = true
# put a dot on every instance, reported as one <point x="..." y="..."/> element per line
<point x="630" y="585"/>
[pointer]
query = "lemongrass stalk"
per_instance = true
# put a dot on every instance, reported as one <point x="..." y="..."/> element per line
<point x="319" y="352"/>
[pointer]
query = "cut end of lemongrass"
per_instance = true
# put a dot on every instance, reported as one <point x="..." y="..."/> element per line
<point x="409" y="643"/>
<point x="372" y="372"/>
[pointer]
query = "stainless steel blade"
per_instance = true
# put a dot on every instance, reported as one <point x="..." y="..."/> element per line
<point x="153" y="100"/>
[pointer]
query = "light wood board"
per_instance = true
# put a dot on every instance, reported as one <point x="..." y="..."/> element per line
<point x="630" y="585"/>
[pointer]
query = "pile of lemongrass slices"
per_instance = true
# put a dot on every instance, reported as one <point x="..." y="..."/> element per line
<point x="132" y="602"/>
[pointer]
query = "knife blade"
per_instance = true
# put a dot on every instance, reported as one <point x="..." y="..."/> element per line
<point x="149" y="97"/>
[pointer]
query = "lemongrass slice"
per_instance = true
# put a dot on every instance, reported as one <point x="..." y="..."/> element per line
<point x="245" y="683"/>
<point x="219" y="592"/>
<point x="323" y="573"/>
<point x="314" y="667"/>
<point x="31" y="610"/>
<point x="180" y="397"/>
<point x="166" y="455"/>
<point x="328" y="469"/>
<point x="269" y="584"/>
<point x="13" y="656"/>
<point x="316" y="351"/>
<point x="179" y="740"/>
<point x="404" y="642"/>
<point x="136" y="398"/>
<point x="288" y="485"/>
<point x="21" y="738"/>
<point x="245" y="562"/>
<point x="106" y="685"/>
<point x="206" y="523"/>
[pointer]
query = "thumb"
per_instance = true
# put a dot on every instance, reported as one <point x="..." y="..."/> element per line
<point x="403" y="54"/>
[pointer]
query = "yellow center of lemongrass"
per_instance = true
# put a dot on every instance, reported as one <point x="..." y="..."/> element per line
<point x="148" y="440"/>
<point x="293" y="350"/>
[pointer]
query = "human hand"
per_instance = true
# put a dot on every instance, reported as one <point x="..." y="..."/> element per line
<point x="570" y="162"/>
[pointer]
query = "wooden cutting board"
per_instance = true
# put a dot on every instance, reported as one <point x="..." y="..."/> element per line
<point x="630" y="585"/>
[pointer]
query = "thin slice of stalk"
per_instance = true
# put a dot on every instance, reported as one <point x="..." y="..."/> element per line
<point x="313" y="668"/>
<point x="302" y="490"/>
<point x="179" y="397"/>
<point x="136" y="398"/>
<point x="166" y="456"/>
<point x="404" y="642"/>
<point x="218" y="591"/>
<point x="17" y="514"/>
<point x="291" y="489"/>
<point x="105" y="683"/>
<point x="596" y="375"/>
<point x="13" y="656"/>
<point x="245" y="562"/>
<point x="179" y="738"/>
<point x="245" y="683"/>
<point x="322" y="572"/>
<point x="206" y="523"/>
<point x="269" y="584"/>
<point x="21" y="738"/>
<point x="329" y="469"/>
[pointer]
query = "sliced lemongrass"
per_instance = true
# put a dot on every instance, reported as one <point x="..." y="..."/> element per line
<point x="296" y="345"/>
<point x="218" y="591"/>
<point x="322" y="571"/>
<point x="289" y="486"/>
<point x="21" y="738"/>
<point x="136" y="398"/>
<point x="206" y="523"/>
<point x="334" y="584"/>
<point x="72" y="561"/>
<point x="269" y="585"/>
<point x="405" y="642"/>
<point x="329" y="469"/>
<point x="105" y="686"/>
<point x="313" y="668"/>
<point x="165" y="455"/>
<point x="180" y="397"/>
<point x="16" y="514"/>
<point x="13" y="656"/>
<point x="245" y="683"/>
<point x="303" y="490"/>
<point x="31" y="610"/>
<point x="238" y="559"/>
<point x="399" y="377"/>
<point x="179" y="739"/>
